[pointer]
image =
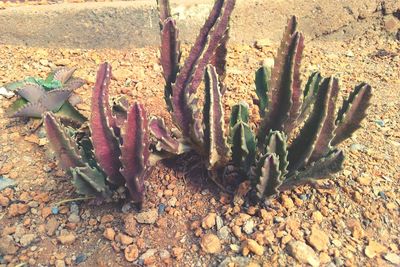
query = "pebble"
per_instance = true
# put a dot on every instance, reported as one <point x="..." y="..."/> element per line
<point x="393" y="258"/>
<point x="54" y="210"/>
<point x="67" y="239"/>
<point x="109" y="234"/>
<point x="148" y="217"/>
<point x="161" y="209"/>
<point x="74" y="218"/>
<point x="4" y="201"/>
<point x="254" y="247"/>
<point x="27" y="239"/>
<point x="373" y="249"/>
<point x="148" y="256"/>
<point x="318" y="239"/>
<point x="80" y="258"/>
<point x="210" y="243"/>
<point x="164" y="254"/>
<point x="356" y="229"/>
<point x="106" y="219"/>
<point x="51" y="226"/>
<point x="124" y="239"/>
<point x="303" y="253"/>
<point x="287" y="202"/>
<point x="130" y="225"/>
<point x="178" y="252"/>
<point x="219" y="222"/>
<point x="17" y="209"/>
<point x="131" y="253"/>
<point x="172" y="201"/>
<point x="59" y="263"/>
<point x="248" y="227"/>
<point x="6" y="183"/>
<point x="209" y="221"/>
<point x="7" y="246"/>
<point x="223" y="233"/>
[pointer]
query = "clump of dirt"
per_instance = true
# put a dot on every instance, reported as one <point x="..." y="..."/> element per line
<point x="186" y="221"/>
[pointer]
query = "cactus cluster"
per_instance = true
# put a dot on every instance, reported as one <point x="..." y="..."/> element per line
<point x="37" y="96"/>
<point x="275" y="158"/>
<point x="296" y="137"/>
<point x="113" y="152"/>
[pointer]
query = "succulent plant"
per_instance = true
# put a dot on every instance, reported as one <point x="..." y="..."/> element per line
<point x="182" y="83"/>
<point x="114" y="152"/>
<point x="298" y="132"/>
<point x="51" y="94"/>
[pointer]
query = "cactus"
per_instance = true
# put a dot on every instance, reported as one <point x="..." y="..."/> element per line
<point x="280" y="164"/>
<point x="283" y="154"/>
<point x="113" y="153"/>
<point x="51" y="94"/>
<point x="182" y="81"/>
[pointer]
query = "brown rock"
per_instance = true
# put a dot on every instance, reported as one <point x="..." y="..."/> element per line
<point x="51" y="226"/>
<point x="210" y="243"/>
<point x="178" y="252"/>
<point x="124" y="239"/>
<point x="17" y="209"/>
<point x="209" y="221"/>
<point x="254" y="247"/>
<point x="356" y="229"/>
<point x="46" y="211"/>
<point x="4" y="201"/>
<point x="303" y="253"/>
<point x="67" y="239"/>
<point x="106" y="219"/>
<point x="131" y="253"/>
<point x="7" y="246"/>
<point x="317" y="216"/>
<point x="373" y="249"/>
<point x="364" y="180"/>
<point x="148" y="217"/>
<point x="130" y="225"/>
<point x="109" y="234"/>
<point x="287" y="202"/>
<point x="318" y="239"/>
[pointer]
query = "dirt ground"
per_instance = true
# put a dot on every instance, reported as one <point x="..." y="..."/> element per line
<point x="350" y="220"/>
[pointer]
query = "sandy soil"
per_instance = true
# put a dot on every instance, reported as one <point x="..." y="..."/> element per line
<point x="351" y="220"/>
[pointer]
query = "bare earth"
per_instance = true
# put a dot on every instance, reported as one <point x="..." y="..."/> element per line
<point x="351" y="220"/>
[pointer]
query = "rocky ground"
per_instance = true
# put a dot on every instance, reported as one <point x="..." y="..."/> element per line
<point x="350" y="220"/>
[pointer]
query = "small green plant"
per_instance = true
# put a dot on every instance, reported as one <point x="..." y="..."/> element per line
<point x="114" y="152"/>
<point x="36" y="96"/>
<point x="298" y="133"/>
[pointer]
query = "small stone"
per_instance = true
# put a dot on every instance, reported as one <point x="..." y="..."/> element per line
<point x="209" y="221"/>
<point x="364" y="180"/>
<point x="303" y="253"/>
<point x="223" y="233"/>
<point x="62" y="62"/>
<point x="17" y="209"/>
<point x="178" y="252"/>
<point x="248" y="227"/>
<point x="393" y="258"/>
<point x="27" y="239"/>
<point x="131" y="253"/>
<point x="109" y="234"/>
<point x="124" y="239"/>
<point x="287" y="202"/>
<point x="148" y="256"/>
<point x="74" y="218"/>
<point x="7" y="246"/>
<point x="4" y="201"/>
<point x="164" y="254"/>
<point x="122" y="74"/>
<point x="59" y="263"/>
<point x="67" y="239"/>
<point x="210" y="243"/>
<point x="373" y="249"/>
<point x="254" y="247"/>
<point x="106" y="219"/>
<point x="148" y="217"/>
<point x="130" y="225"/>
<point x="317" y="216"/>
<point x="318" y="239"/>
<point x="172" y="201"/>
<point x="356" y="229"/>
<point x="44" y="62"/>
<point x="51" y="226"/>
